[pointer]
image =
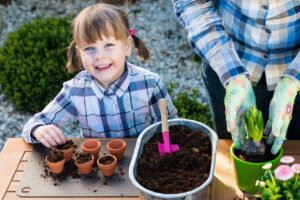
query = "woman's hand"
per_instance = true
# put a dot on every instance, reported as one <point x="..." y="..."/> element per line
<point x="49" y="135"/>
<point x="238" y="99"/>
<point x="280" y="112"/>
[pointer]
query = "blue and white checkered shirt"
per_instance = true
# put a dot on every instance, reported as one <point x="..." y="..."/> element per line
<point x="245" y="36"/>
<point x="126" y="108"/>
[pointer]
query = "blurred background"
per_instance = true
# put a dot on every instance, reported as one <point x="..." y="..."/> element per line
<point x="33" y="38"/>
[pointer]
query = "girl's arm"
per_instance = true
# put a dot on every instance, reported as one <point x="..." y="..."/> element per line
<point x="58" y="111"/>
<point x="160" y="91"/>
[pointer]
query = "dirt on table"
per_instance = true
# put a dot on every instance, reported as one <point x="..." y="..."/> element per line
<point x="184" y="170"/>
<point x="257" y="158"/>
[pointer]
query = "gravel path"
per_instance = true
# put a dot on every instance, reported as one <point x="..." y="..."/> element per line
<point x="154" y="22"/>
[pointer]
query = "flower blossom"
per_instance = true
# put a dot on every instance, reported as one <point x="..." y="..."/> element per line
<point x="287" y="159"/>
<point x="296" y="168"/>
<point x="283" y="172"/>
<point x="267" y="166"/>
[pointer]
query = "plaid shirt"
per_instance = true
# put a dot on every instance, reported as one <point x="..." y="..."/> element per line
<point x="245" y="36"/>
<point x="126" y="108"/>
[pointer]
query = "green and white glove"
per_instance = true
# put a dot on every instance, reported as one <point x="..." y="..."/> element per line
<point x="238" y="99"/>
<point x="280" y="112"/>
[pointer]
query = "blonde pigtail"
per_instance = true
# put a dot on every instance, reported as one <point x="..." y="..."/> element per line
<point x="143" y="51"/>
<point x="74" y="62"/>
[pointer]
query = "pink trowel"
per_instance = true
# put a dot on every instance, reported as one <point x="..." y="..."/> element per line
<point x="166" y="147"/>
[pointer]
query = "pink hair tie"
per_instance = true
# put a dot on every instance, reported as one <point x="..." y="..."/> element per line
<point x="131" y="32"/>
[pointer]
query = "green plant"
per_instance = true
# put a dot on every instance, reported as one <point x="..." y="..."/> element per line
<point x="189" y="106"/>
<point x="32" y="62"/>
<point x="282" y="183"/>
<point x="254" y="125"/>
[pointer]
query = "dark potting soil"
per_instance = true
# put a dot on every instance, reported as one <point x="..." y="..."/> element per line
<point x="106" y="160"/>
<point x="67" y="145"/>
<point x="257" y="158"/>
<point x="83" y="157"/>
<point x="55" y="156"/>
<point x="184" y="170"/>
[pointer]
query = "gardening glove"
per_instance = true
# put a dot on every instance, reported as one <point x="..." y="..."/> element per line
<point x="238" y="99"/>
<point x="280" y="112"/>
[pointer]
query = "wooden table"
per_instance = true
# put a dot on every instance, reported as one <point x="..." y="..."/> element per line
<point x="15" y="154"/>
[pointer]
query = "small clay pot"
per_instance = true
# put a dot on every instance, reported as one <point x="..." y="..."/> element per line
<point x="106" y="165"/>
<point x="68" y="152"/>
<point x="92" y="146"/>
<point x="117" y="148"/>
<point x="84" y="167"/>
<point x="55" y="167"/>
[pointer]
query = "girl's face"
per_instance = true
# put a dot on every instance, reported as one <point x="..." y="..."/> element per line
<point x="105" y="59"/>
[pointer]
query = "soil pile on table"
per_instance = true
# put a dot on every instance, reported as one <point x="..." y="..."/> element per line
<point x="184" y="170"/>
<point x="67" y="145"/>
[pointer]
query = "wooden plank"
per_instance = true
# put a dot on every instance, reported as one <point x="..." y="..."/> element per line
<point x="13" y="186"/>
<point x="291" y="147"/>
<point x="22" y="166"/>
<point x="26" y="156"/>
<point x="223" y="184"/>
<point x="13" y="196"/>
<point x="16" y="144"/>
<point x="9" y="162"/>
<point x="18" y="176"/>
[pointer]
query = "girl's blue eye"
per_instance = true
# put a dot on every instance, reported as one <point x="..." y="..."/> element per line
<point x="88" y="48"/>
<point x="108" y="45"/>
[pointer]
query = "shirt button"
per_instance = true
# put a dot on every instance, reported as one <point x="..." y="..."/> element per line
<point x="267" y="30"/>
<point x="264" y="7"/>
<point x="266" y="56"/>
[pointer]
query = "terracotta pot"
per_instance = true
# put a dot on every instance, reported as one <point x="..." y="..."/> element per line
<point x="85" y="168"/>
<point x="107" y="169"/>
<point x="117" y="148"/>
<point x="55" y="167"/>
<point x="92" y="146"/>
<point x="67" y="152"/>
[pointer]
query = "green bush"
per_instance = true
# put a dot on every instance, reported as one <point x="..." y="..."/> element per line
<point x="33" y="62"/>
<point x="189" y="107"/>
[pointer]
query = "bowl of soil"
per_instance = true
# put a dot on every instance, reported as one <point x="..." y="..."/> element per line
<point x="117" y="148"/>
<point x="184" y="174"/>
<point x="66" y="148"/>
<point x="84" y="162"/>
<point x="55" y="162"/>
<point x="92" y="146"/>
<point x="107" y="164"/>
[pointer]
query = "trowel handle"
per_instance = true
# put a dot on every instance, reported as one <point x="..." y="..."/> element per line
<point x="163" y="103"/>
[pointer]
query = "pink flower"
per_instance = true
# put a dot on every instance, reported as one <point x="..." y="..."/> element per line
<point x="296" y="168"/>
<point x="287" y="159"/>
<point x="283" y="172"/>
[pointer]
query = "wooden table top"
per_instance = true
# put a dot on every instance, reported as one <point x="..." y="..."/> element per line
<point x="14" y="157"/>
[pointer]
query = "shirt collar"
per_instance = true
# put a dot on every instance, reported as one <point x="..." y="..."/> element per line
<point x="119" y="87"/>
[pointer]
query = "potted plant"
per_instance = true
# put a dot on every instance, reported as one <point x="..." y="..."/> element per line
<point x="107" y="164"/>
<point x="67" y="148"/>
<point x="281" y="183"/>
<point x="55" y="162"/>
<point x="254" y="153"/>
<point x="147" y="144"/>
<point x="117" y="148"/>
<point x="84" y="162"/>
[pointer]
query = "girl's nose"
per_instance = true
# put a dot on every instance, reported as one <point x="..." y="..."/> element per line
<point x="99" y="54"/>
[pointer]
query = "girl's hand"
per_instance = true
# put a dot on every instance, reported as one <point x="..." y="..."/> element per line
<point x="280" y="112"/>
<point x="238" y="99"/>
<point x="49" y="135"/>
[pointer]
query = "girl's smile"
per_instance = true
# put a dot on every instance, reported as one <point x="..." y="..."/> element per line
<point x="103" y="67"/>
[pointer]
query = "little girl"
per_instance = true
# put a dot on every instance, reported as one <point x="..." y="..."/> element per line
<point x="111" y="97"/>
